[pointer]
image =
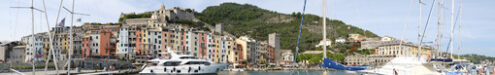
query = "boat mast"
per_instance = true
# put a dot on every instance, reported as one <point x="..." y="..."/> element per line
<point x="299" y="36"/>
<point x="459" y="32"/>
<point x="426" y="28"/>
<point x="70" y="37"/>
<point x="50" y="40"/>
<point x="32" y="37"/>
<point x="452" y="30"/>
<point x="324" y="29"/>
<point x="32" y="49"/>
<point x="404" y="29"/>
<point x="439" y="34"/>
<point x="419" y="21"/>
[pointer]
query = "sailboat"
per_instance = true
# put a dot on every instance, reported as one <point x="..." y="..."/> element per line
<point x="327" y="62"/>
<point x="409" y="64"/>
<point x="419" y="65"/>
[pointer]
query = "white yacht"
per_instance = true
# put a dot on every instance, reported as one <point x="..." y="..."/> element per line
<point x="182" y="64"/>
<point x="405" y="65"/>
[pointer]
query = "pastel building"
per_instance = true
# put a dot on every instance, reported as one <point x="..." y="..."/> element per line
<point x="230" y="49"/>
<point x="34" y="46"/>
<point x="155" y="42"/>
<point x="168" y="40"/>
<point x="123" y="46"/>
<point x="107" y="44"/>
<point x="86" y="46"/>
<point x="91" y="45"/>
<point x="247" y="45"/>
<point x="211" y="45"/>
<point x="95" y="44"/>
<point x="217" y="49"/>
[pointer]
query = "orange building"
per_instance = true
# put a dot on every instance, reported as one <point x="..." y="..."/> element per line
<point x="86" y="47"/>
<point x="138" y="42"/>
<point x="107" y="44"/>
<point x="168" y="39"/>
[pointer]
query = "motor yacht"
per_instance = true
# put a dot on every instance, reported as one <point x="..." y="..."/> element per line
<point x="182" y="64"/>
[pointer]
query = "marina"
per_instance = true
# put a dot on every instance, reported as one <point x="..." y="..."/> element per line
<point x="232" y="38"/>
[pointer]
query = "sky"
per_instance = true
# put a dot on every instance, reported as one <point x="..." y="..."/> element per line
<point x="396" y="18"/>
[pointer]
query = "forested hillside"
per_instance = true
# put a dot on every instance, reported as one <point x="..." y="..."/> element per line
<point x="245" y="19"/>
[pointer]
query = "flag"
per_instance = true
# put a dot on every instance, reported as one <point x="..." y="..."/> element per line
<point x="38" y="53"/>
<point x="62" y="23"/>
<point x="79" y="20"/>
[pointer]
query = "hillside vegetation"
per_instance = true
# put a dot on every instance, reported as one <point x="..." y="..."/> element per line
<point x="245" y="19"/>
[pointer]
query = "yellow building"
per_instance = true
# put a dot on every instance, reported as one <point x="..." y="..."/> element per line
<point x="217" y="50"/>
<point x="230" y="46"/>
<point x="46" y="47"/>
<point x="144" y="41"/>
<point x="424" y="50"/>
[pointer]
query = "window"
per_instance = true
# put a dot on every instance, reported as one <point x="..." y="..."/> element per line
<point x="197" y="62"/>
<point x="187" y="58"/>
<point x="171" y="63"/>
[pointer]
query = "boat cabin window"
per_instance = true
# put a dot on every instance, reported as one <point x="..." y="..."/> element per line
<point x="154" y="64"/>
<point x="187" y="58"/>
<point x="197" y="63"/>
<point x="171" y="63"/>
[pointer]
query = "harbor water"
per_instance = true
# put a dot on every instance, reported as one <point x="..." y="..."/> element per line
<point x="287" y="73"/>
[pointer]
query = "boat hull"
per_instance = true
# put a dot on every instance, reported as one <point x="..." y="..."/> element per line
<point x="184" y="69"/>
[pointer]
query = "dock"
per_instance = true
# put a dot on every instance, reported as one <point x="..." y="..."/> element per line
<point x="82" y="72"/>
